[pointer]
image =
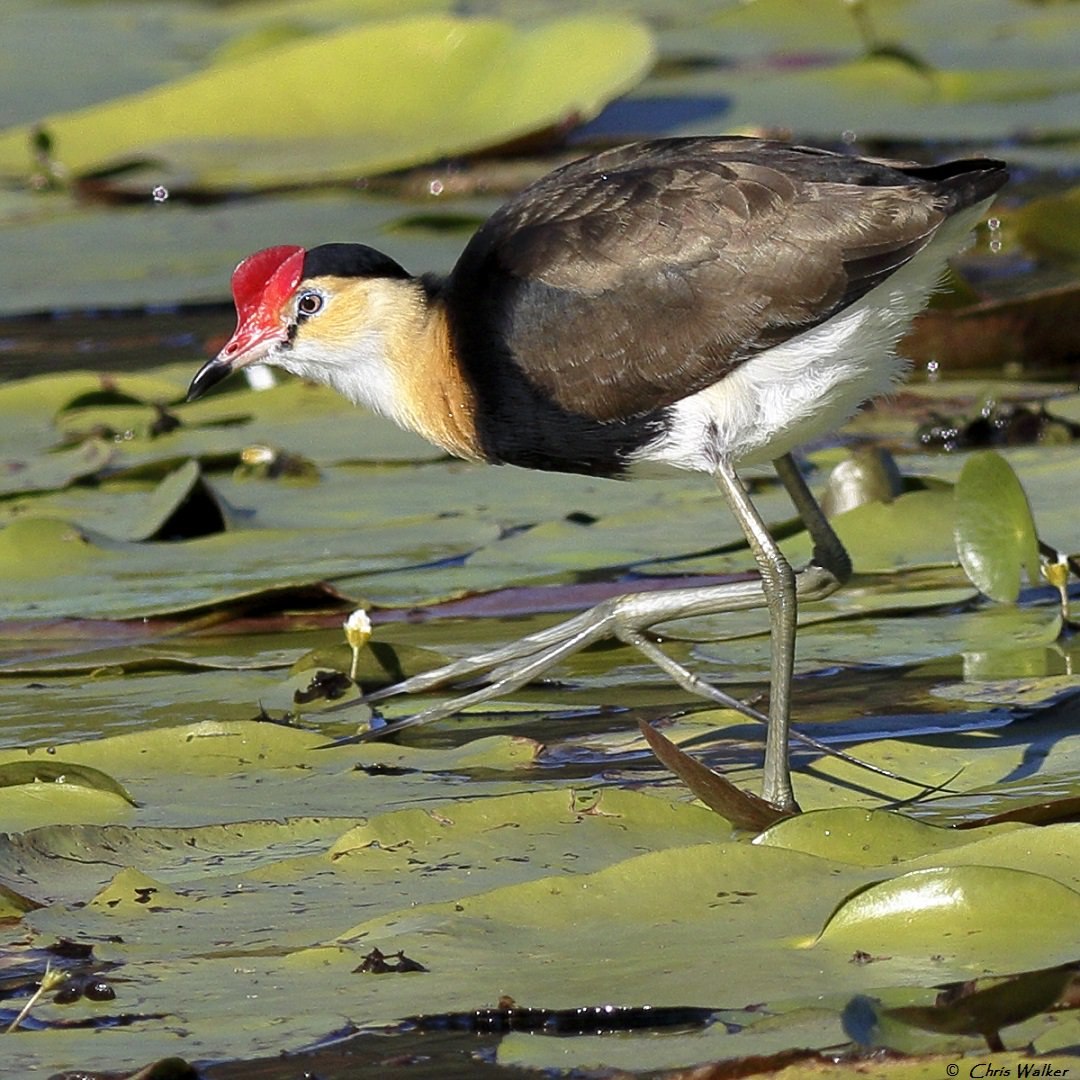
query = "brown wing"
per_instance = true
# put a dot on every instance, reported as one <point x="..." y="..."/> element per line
<point x="634" y="278"/>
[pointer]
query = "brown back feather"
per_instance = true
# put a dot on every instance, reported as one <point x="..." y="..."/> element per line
<point x="634" y="278"/>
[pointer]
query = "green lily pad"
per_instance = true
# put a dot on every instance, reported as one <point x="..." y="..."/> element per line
<point x="29" y="806"/>
<point x="885" y="94"/>
<point x="164" y="509"/>
<point x="466" y="875"/>
<point x="169" y="253"/>
<point x="1050" y="226"/>
<point x="14" y="905"/>
<point x="860" y="837"/>
<point x="860" y="627"/>
<point x="45" y="473"/>
<point x="55" y="568"/>
<point x="14" y="773"/>
<point x="913" y="530"/>
<point x="43" y="548"/>
<point x="133" y="893"/>
<point x="405" y="91"/>
<point x="956" y="912"/>
<point x="995" y="532"/>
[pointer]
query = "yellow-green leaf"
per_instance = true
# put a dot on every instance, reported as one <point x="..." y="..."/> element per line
<point x="1050" y="226"/>
<point x="16" y="773"/>
<point x="995" y="532"/>
<point x="956" y="912"/>
<point x="357" y="101"/>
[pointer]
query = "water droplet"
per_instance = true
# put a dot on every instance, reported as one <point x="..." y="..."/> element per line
<point x="435" y="187"/>
<point x="160" y="193"/>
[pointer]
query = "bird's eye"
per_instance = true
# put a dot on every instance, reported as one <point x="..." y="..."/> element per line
<point x="309" y="303"/>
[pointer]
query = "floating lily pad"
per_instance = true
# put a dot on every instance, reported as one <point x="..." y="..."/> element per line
<point x="861" y="837"/>
<point x="405" y="91"/>
<point x="955" y="912"/>
<point x="914" y="529"/>
<point x="56" y="470"/>
<point x="14" y="773"/>
<point x="1051" y="225"/>
<point x="886" y="94"/>
<point x="995" y="532"/>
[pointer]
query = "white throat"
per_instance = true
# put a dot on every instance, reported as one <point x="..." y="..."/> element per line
<point x="360" y="371"/>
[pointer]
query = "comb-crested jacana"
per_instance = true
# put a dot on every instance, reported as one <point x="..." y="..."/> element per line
<point x="701" y="303"/>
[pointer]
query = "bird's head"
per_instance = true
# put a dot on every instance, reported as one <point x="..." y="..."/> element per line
<point x="311" y="312"/>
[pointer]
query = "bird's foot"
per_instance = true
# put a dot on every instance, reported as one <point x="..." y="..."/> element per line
<point x="627" y="619"/>
<point x="624" y="618"/>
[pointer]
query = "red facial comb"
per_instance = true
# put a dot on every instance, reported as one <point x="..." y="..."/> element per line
<point x="266" y="280"/>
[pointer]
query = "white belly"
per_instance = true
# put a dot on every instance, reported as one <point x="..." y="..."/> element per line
<point x="811" y="384"/>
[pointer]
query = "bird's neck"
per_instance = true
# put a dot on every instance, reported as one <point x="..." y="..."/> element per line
<point x="398" y="360"/>
<point x="432" y="395"/>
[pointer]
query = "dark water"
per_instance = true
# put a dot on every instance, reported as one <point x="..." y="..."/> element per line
<point x="113" y="341"/>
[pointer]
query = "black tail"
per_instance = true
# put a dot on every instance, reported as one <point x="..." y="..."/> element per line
<point x="963" y="183"/>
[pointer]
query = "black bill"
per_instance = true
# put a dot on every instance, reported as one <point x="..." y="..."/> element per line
<point x="210" y="374"/>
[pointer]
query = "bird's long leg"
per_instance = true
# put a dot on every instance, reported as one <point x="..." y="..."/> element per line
<point x="695" y="684"/>
<point x="622" y="617"/>
<point x="829" y="552"/>
<point x="778" y="584"/>
<point x="625" y="617"/>
<point x="611" y="618"/>
<point x="518" y="662"/>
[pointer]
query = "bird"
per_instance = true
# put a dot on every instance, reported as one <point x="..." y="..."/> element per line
<point x="697" y="303"/>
